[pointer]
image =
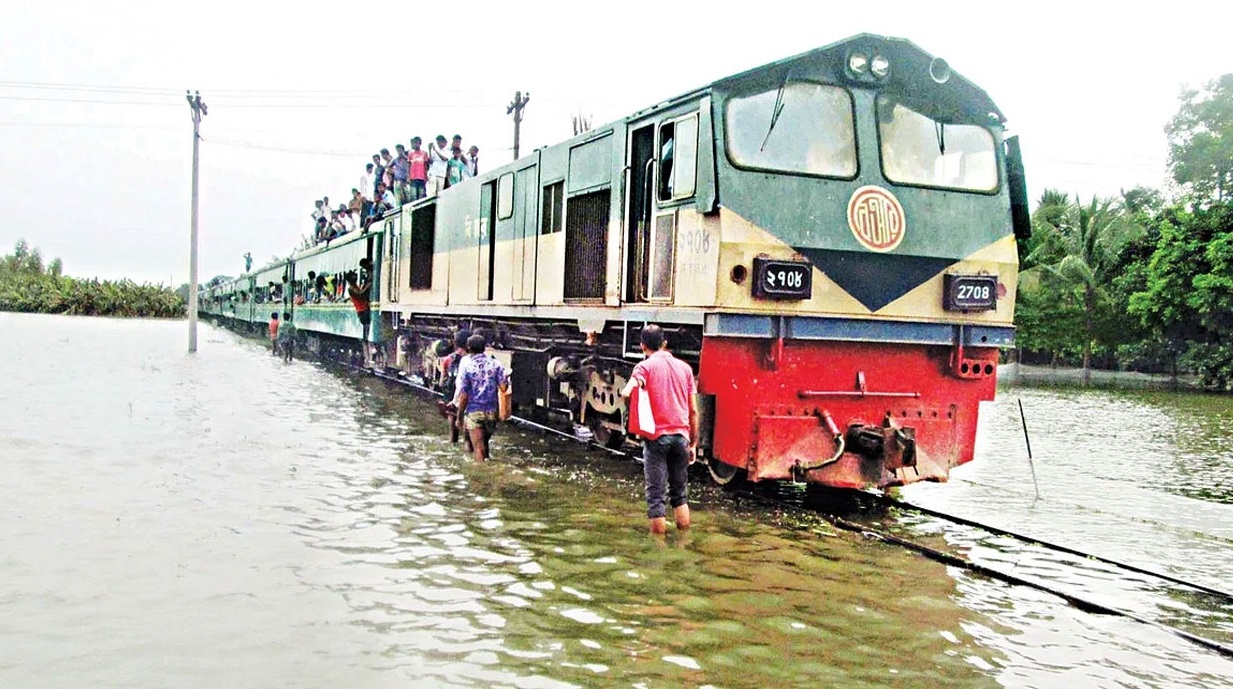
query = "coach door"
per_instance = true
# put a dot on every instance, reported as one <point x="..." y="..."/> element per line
<point x="393" y="257"/>
<point x="663" y="176"/>
<point x="485" y="242"/>
<point x="526" y="232"/>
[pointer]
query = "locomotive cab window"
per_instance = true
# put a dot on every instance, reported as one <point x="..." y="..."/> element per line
<point x="917" y="149"/>
<point x="678" y="158"/>
<point x="799" y="127"/>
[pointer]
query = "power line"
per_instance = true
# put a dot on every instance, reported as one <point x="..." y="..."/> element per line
<point x="85" y="100"/>
<point x="86" y="125"/>
<point x="339" y="104"/>
<point x="43" y="85"/>
<point x="280" y="149"/>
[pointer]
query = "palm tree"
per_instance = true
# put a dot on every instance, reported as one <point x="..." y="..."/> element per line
<point x="1089" y="238"/>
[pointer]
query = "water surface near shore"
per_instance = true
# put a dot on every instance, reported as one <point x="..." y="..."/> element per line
<point x="223" y="519"/>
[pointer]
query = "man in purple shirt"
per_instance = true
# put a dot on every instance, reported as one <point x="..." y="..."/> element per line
<point x="666" y="455"/>
<point x="480" y="377"/>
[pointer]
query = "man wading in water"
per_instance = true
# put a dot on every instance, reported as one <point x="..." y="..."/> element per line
<point x="480" y="377"/>
<point x="667" y="454"/>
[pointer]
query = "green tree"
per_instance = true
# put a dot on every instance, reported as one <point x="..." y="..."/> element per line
<point x="1075" y="262"/>
<point x="1201" y="140"/>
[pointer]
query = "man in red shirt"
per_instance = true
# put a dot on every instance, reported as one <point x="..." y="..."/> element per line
<point x="419" y="170"/>
<point x="666" y="455"/>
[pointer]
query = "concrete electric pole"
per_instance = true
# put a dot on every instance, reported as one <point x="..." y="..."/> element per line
<point x="516" y="107"/>
<point x="198" y="108"/>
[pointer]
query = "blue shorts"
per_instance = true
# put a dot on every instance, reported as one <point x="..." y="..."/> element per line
<point x="665" y="460"/>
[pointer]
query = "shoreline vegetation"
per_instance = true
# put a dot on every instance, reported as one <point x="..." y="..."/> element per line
<point x="29" y="286"/>
<point x="1023" y="375"/>
<point x="1142" y="282"/>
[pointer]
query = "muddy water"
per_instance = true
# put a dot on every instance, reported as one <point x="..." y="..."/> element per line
<point x="224" y="519"/>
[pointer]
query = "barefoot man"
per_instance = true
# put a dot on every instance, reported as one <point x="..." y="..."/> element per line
<point x="666" y="456"/>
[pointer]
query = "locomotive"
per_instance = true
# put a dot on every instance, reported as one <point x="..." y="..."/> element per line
<point x="829" y="240"/>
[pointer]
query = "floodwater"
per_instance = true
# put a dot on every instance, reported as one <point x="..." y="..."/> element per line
<point x="226" y="520"/>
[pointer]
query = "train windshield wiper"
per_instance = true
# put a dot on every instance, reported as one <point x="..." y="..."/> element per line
<point x="775" y="112"/>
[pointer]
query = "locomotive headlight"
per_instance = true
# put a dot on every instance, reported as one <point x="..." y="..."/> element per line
<point x="858" y="63"/>
<point x="880" y="66"/>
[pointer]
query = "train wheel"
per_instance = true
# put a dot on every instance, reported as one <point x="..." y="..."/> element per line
<point x="606" y="428"/>
<point x="722" y="473"/>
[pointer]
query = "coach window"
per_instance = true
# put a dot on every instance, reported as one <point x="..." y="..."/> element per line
<point x="799" y="127"/>
<point x="505" y="197"/>
<point x="917" y="149"/>
<point x="554" y="208"/>
<point x="678" y="158"/>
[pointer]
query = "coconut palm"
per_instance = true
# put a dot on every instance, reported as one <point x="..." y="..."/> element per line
<point x="1084" y="249"/>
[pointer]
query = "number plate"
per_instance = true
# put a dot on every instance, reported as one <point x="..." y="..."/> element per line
<point x="970" y="292"/>
<point x="782" y="279"/>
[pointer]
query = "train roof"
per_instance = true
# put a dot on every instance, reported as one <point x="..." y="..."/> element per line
<point x="953" y="99"/>
<point x="336" y="242"/>
<point x="947" y="97"/>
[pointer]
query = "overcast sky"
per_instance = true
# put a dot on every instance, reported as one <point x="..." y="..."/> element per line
<point x="300" y="95"/>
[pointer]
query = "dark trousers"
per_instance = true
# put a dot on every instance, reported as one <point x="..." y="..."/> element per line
<point x="665" y="463"/>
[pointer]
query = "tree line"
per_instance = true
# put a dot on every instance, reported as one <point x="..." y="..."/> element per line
<point x="1143" y="281"/>
<point x="29" y="286"/>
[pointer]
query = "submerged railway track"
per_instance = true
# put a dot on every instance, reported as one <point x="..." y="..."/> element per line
<point x="757" y="493"/>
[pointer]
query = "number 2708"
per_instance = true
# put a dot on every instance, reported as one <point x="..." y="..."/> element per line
<point x="981" y="293"/>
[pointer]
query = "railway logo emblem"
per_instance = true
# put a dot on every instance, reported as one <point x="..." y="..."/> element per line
<point x="876" y="218"/>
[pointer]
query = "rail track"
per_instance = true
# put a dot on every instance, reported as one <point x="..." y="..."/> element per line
<point x="751" y="493"/>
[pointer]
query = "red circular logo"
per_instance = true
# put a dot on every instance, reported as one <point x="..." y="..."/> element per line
<point x="876" y="218"/>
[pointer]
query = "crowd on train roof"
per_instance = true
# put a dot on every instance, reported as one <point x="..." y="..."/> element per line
<point x="392" y="180"/>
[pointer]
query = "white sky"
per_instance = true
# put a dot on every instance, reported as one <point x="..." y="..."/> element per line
<point x="106" y="187"/>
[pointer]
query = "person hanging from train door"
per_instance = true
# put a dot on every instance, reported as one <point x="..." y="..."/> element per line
<point x="672" y="447"/>
<point x="358" y="289"/>
<point x="481" y="378"/>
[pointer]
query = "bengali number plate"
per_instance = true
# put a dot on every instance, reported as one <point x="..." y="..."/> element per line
<point x="775" y="279"/>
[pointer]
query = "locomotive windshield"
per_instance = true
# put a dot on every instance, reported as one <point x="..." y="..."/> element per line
<point x="799" y="127"/>
<point x="919" y="150"/>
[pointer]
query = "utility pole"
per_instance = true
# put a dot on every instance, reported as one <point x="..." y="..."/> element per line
<point x="198" y="108"/>
<point x="516" y="107"/>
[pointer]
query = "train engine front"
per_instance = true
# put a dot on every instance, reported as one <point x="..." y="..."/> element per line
<point x="867" y="208"/>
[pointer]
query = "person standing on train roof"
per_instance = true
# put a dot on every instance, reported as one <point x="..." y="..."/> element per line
<point x="368" y="181"/>
<point x="473" y="161"/>
<point x="480" y="379"/>
<point x="274" y="333"/>
<point x="667" y="454"/>
<point x="457" y="170"/>
<point x="418" y="159"/>
<point x="378" y="171"/>
<point x="401" y="178"/>
<point x="438" y="165"/>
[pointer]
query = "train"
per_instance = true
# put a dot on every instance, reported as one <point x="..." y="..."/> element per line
<point x="829" y="240"/>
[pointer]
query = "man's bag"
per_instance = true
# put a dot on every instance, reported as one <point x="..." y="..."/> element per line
<point x="641" y="418"/>
<point x="505" y="402"/>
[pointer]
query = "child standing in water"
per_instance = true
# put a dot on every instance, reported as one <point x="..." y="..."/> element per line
<point x="286" y="337"/>
<point x="274" y="333"/>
